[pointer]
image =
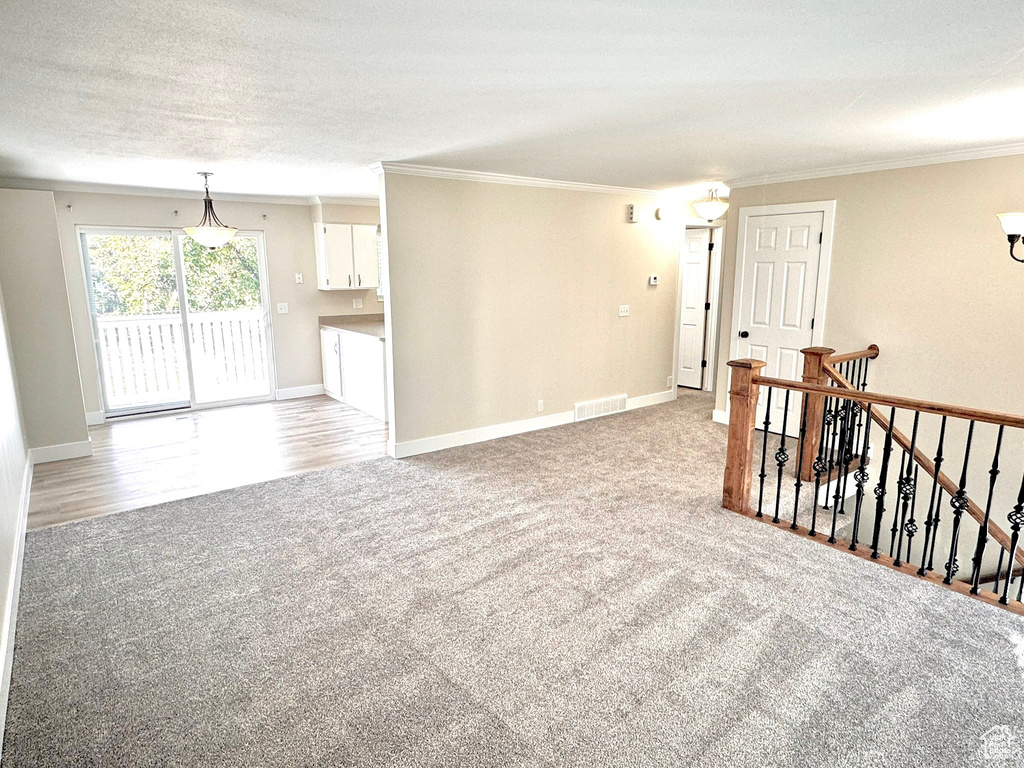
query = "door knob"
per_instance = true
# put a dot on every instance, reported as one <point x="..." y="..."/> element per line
<point x="744" y="334"/>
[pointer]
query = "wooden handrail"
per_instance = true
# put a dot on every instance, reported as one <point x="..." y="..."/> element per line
<point x="870" y="353"/>
<point x="1000" y="536"/>
<point x="925" y="406"/>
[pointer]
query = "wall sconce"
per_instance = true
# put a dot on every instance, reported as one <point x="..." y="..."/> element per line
<point x="710" y="207"/>
<point x="1013" y="226"/>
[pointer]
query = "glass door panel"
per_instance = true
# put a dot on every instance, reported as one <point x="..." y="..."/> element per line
<point x="133" y="291"/>
<point x="227" y="319"/>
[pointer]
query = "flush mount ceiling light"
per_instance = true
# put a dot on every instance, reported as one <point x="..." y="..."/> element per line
<point x="211" y="231"/>
<point x="710" y="207"/>
<point x="1013" y="226"/>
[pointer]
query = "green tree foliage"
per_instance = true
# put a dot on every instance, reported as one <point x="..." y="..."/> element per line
<point x="135" y="275"/>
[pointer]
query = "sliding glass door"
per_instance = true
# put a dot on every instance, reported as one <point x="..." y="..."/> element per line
<point x="175" y="324"/>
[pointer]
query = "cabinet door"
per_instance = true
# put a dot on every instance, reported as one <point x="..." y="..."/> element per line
<point x="330" y="350"/>
<point x="364" y="249"/>
<point x="319" y="243"/>
<point x="338" y="256"/>
<point x="363" y="373"/>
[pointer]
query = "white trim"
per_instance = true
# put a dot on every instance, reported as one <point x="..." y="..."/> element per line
<point x="657" y="398"/>
<point x="368" y="202"/>
<point x="480" y="434"/>
<point x="495" y="431"/>
<point x="52" y="185"/>
<point x="294" y="393"/>
<point x="720" y="417"/>
<point x="95" y="418"/>
<point x="60" y="452"/>
<point x="408" y="169"/>
<point x="10" y="616"/>
<point x="936" y="158"/>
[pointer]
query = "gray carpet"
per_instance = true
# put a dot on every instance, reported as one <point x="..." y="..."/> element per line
<point x="569" y="597"/>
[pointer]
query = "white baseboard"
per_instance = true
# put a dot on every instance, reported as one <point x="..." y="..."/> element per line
<point x="294" y="393"/>
<point x="720" y="417"/>
<point x="493" y="432"/>
<point x="10" y="607"/>
<point x="95" y="418"/>
<point x="60" y="452"/>
<point x="658" y="397"/>
<point x="479" y="435"/>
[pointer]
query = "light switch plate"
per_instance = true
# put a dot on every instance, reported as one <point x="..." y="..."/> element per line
<point x="357" y="303"/>
<point x="282" y="309"/>
<point x="623" y="310"/>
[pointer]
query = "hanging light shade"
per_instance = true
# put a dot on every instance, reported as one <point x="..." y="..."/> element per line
<point x="710" y="207"/>
<point x="1013" y="228"/>
<point x="211" y="232"/>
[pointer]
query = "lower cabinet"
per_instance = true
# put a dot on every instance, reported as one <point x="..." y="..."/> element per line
<point x="354" y="370"/>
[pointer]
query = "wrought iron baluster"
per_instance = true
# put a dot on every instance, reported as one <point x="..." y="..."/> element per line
<point x="1016" y="518"/>
<point x="860" y="411"/>
<point x="819" y="466"/>
<point x="764" y="450"/>
<point x="911" y="526"/>
<point x="861" y="479"/>
<point x="781" y="457"/>
<point x="835" y="417"/>
<point x="907" y="488"/>
<point x="979" y="550"/>
<point x="935" y="537"/>
<point x="959" y="504"/>
<point x="880" y="487"/>
<point x="799" y="463"/>
<point x="864" y="375"/>
<point x="931" y="523"/>
<point x="896" y="506"/>
<point x="999" y="570"/>
<point x="837" y="497"/>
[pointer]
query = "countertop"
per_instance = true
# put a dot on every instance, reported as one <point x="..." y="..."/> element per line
<point x="371" y="325"/>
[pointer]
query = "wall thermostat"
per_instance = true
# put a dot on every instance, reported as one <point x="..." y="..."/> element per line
<point x="631" y="215"/>
<point x="652" y="280"/>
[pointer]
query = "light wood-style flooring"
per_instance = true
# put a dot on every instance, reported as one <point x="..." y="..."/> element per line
<point x="136" y="463"/>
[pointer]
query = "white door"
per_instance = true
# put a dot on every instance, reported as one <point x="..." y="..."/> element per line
<point x="779" y="281"/>
<point x="693" y="291"/>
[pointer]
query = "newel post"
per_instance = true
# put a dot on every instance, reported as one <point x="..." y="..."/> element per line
<point x="815" y="359"/>
<point x="739" y="458"/>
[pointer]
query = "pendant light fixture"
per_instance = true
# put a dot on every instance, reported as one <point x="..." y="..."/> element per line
<point x="710" y="207"/>
<point x="211" y="232"/>
<point x="1013" y="227"/>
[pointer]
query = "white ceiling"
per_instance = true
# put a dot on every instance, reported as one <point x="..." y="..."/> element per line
<point x="299" y="98"/>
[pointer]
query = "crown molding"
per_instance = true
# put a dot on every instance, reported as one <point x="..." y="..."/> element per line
<point x="369" y="202"/>
<point x="50" y="185"/>
<point x="408" y="169"/>
<point x="937" y="158"/>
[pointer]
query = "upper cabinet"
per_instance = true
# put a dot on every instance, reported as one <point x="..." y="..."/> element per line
<point x="346" y="256"/>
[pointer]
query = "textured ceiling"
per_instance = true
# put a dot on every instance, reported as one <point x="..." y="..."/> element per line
<point x="287" y="98"/>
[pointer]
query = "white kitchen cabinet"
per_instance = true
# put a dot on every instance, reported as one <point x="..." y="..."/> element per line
<point x="330" y="349"/>
<point x="346" y="256"/>
<point x="353" y="365"/>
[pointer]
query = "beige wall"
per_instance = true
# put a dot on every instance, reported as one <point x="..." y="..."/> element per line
<point x="920" y="267"/>
<point x="288" y="233"/>
<point x="13" y="494"/>
<point x="504" y="295"/>
<point x="42" y="338"/>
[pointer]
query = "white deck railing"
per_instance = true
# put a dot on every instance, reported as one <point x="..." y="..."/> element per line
<point x="144" y="358"/>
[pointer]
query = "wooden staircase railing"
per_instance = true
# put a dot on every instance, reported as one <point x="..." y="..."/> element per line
<point x="835" y="415"/>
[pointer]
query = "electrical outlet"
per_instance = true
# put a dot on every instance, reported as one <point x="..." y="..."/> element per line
<point x="298" y="278"/>
<point x="623" y="310"/>
<point x="668" y="383"/>
<point x="540" y="406"/>
<point x="282" y="309"/>
<point x="357" y="303"/>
